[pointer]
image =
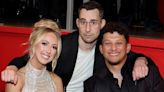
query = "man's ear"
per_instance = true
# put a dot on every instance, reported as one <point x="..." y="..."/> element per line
<point x="128" y="47"/>
<point x="100" y="48"/>
<point x="103" y="23"/>
<point x="77" y="23"/>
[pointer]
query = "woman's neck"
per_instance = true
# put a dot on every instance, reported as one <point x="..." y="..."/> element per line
<point x="35" y="63"/>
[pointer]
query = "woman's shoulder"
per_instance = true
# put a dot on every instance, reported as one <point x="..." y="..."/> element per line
<point x="21" y="75"/>
<point x="21" y="71"/>
<point x="58" y="81"/>
<point x="55" y="77"/>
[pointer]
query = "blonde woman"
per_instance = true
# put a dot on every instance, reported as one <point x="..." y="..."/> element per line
<point x="44" y="47"/>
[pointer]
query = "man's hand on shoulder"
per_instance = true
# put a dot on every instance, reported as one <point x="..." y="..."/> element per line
<point x="140" y="69"/>
<point x="9" y="74"/>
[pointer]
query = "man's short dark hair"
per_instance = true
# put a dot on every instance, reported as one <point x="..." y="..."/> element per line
<point x="115" y="27"/>
<point x="90" y="5"/>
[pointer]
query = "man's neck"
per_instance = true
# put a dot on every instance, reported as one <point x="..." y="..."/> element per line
<point x="86" y="46"/>
<point x="116" y="71"/>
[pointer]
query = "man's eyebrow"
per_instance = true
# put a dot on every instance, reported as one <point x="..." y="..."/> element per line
<point x="90" y="20"/>
<point x="93" y="20"/>
<point x="82" y="19"/>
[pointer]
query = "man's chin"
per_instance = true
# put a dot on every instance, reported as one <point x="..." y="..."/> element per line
<point x="89" y="41"/>
<point x="114" y="63"/>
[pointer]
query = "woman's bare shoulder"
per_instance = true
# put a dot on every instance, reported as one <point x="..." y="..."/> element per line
<point x="21" y="75"/>
<point x="55" y="77"/>
<point x="21" y="71"/>
<point x="58" y="82"/>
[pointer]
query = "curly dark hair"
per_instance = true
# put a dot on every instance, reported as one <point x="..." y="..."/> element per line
<point x="118" y="27"/>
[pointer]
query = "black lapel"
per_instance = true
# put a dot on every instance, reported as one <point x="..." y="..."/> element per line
<point x="67" y="59"/>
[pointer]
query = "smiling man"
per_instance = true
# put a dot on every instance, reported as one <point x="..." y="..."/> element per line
<point x="116" y="76"/>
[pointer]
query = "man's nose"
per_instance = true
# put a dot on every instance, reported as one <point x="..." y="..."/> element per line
<point x="88" y="27"/>
<point x="113" y="47"/>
